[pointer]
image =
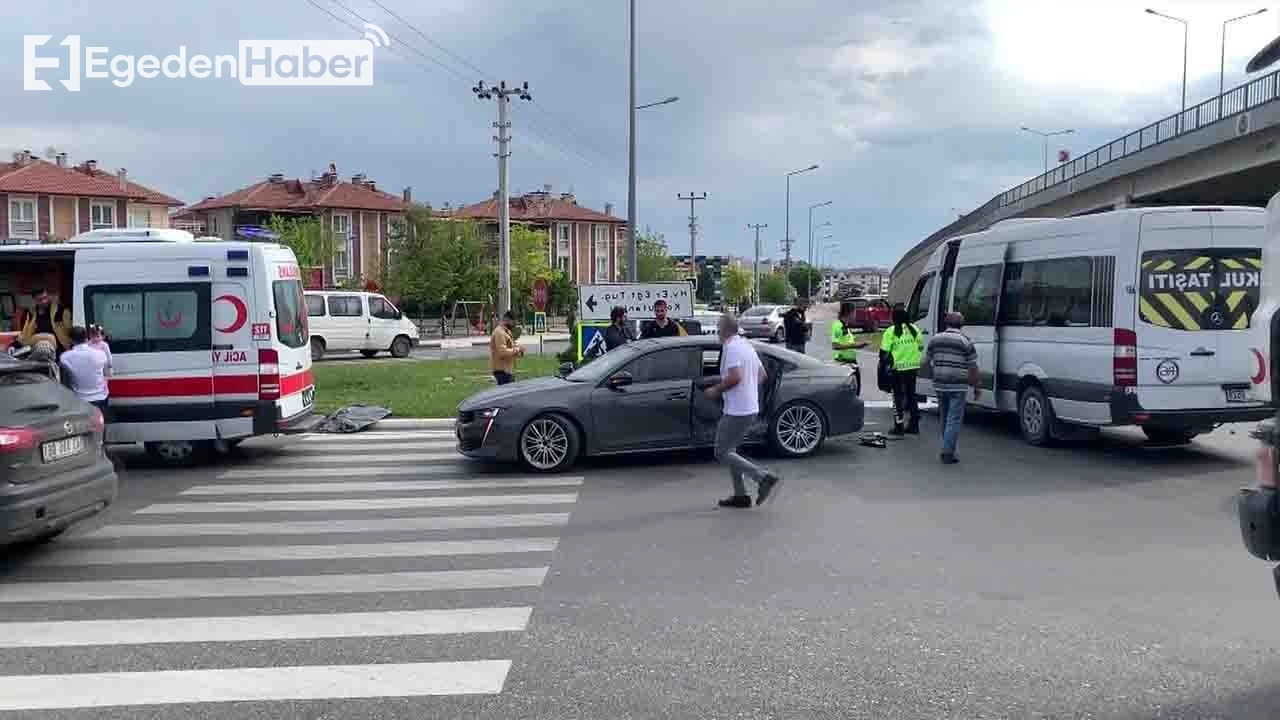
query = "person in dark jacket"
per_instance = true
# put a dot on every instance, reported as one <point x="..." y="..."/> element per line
<point x="661" y="326"/>
<point x="617" y="334"/>
<point x="796" y="326"/>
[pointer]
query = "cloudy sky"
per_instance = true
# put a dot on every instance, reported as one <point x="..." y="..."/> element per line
<point x="911" y="107"/>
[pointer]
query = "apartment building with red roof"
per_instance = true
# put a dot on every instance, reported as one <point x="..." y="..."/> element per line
<point x="44" y="201"/>
<point x="584" y="243"/>
<point x="358" y="213"/>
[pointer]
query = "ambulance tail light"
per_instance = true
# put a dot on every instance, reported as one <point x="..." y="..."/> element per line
<point x="268" y="375"/>
<point x="1124" y="363"/>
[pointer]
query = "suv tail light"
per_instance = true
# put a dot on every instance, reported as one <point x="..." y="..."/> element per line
<point x="1124" y="363"/>
<point x="268" y="375"/>
<point x="16" y="439"/>
<point x="99" y="422"/>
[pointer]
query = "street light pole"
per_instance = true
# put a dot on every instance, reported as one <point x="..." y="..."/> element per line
<point x="1222" y="66"/>
<point x="1045" y="137"/>
<point x="755" y="269"/>
<point x="786" y="224"/>
<point x="1186" y="29"/>
<point x="632" y="267"/>
<point x="503" y="94"/>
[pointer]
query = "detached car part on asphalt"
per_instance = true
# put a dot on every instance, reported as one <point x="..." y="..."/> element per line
<point x="647" y="396"/>
<point x="53" y="469"/>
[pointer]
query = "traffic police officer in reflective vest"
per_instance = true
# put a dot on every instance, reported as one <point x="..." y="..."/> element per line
<point x="904" y="343"/>
<point x="844" y="344"/>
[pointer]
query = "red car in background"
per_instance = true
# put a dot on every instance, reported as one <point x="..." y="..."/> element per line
<point x="871" y="313"/>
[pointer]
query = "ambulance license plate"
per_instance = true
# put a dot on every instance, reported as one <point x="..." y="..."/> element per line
<point x="309" y="396"/>
<point x="61" y="449"/>
<point x="1237" y="395"/>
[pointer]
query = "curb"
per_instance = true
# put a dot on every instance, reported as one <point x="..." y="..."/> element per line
<point x="477" y="341"/>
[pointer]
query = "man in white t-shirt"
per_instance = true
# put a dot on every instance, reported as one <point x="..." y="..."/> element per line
<point x="741" y="374"/>
<point x="85" y="370"/>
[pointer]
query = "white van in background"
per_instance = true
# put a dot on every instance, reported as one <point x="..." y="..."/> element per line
<point x="1131" y="317"/>
<point x="208" y="338"/>
<point x="342" y="321"/>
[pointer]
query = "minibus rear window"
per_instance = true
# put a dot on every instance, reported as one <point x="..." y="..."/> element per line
<point x="1193" y="290"/>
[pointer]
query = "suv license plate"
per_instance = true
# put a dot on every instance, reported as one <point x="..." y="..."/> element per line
<point x="309" y="396"/>
<point x="59" y="449"/>
<point x="1237" y="395"/>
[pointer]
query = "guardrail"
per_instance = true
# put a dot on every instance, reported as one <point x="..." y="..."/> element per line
<point x="1233" y="102"/>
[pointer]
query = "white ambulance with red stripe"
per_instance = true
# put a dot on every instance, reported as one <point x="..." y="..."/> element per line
<point x="208" y="338"/>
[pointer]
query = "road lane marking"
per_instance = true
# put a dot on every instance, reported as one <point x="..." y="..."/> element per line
<point x="376" y="436"/>
<point x="173" y="588"/>
<point x="85" y="690"/>
<point x="309" y="527"/>
<point x="71" y="557"/>
<point x="284" y="488"/>
<point x="263" y="627"/>
<point x="394" y="503"/>
<point x="365" y="471"/>
<point x="349" y="462"/>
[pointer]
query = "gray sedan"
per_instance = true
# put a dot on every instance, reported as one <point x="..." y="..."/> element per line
<point x="647" y="396"/>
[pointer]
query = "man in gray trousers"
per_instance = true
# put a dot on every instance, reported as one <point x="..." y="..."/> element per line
<point x="741" y="374"/>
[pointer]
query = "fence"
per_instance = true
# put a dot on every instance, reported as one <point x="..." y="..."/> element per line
<point x="1233" y="102"/>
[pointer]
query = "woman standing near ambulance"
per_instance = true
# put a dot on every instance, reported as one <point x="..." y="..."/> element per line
<point x="903" y="344"/>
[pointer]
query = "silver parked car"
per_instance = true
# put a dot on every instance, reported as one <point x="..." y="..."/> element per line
<point x="763" y="322"/>
<point x="647" y="396"/>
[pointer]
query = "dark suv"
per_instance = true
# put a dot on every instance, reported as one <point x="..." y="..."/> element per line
<point x="53" y="469"/>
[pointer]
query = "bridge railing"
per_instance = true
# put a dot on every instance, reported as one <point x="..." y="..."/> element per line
<point x="1233" y="102"/>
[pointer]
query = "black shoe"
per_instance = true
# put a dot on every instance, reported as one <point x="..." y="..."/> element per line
<point x="913" y="429"/>
<point x="737" y="501"/>
<point x="768" y="487"/>
<point x="949" y="459"/>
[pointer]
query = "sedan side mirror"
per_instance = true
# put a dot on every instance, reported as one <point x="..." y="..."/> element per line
<point x="566" y="369"/>
<point x="619" y="380"/>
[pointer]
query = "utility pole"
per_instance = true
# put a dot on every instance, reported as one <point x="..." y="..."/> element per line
<point x="693" y="229"/>
<point x="503" y="94"/>
<point x="755" y="270"/>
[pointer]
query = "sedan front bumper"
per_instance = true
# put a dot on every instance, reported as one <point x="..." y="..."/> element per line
<point x="482" y="438"/>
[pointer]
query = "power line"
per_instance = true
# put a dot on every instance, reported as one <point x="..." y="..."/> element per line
<point x="572" y="133"/>
<point x="542" y="136"/>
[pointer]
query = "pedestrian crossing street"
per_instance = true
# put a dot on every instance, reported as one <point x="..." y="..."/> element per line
<point x="332" y="568"/>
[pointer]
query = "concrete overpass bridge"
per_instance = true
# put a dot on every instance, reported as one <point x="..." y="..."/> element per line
<point x="1224" y="151"/>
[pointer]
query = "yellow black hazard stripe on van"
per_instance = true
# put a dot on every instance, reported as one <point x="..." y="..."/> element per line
<point x="1200" y="290"/>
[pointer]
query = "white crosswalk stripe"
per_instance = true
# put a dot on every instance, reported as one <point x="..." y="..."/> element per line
<point x="158" y="577"/>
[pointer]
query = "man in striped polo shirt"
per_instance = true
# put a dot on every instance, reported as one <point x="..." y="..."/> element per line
<point x="954" y="365"/>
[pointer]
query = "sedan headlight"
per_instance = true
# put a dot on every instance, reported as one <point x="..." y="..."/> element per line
<point x="488" y="413"/>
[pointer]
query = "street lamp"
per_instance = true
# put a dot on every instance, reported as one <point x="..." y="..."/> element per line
<point x="1186" y="28"/>
<point x="1045" y="136"/>
<point x="1222" y="66"/>
<point x="786" y="225"/>
<point x="632" y="260"/>
<point x="811" y="209"/>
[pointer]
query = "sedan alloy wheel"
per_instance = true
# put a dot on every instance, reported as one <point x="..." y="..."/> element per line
<point x="547" y="443"/>
<point x="798" y="430"/>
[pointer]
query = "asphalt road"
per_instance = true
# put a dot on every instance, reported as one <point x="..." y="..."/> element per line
<point x="1099" y="581"/>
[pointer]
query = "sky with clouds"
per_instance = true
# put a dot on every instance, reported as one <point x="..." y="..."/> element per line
<point x="912" y="108"/>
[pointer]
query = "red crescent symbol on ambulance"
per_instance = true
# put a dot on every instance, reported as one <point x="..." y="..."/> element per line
<point x="1262" y="367"/>
<point x="242" y="313"/>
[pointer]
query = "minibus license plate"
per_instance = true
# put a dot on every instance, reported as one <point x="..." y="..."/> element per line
<point x="309" y="396"/>
<point x="64" y="448"/>
<point x="1237" y="395"/>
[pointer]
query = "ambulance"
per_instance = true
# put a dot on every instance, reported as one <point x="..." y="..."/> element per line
<point x="208" y="338"/>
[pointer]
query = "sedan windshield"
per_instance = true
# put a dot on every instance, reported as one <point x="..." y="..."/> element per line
<point x="599" y="369"/>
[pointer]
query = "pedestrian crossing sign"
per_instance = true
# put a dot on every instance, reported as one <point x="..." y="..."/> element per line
<point x="539" y="323"/>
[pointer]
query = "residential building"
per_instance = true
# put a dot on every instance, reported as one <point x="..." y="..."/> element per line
<point x="586" y="244"/>
<point x="356" y="211"/>
<point x="51" y="201"/>
<point x="869" y="280"/>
